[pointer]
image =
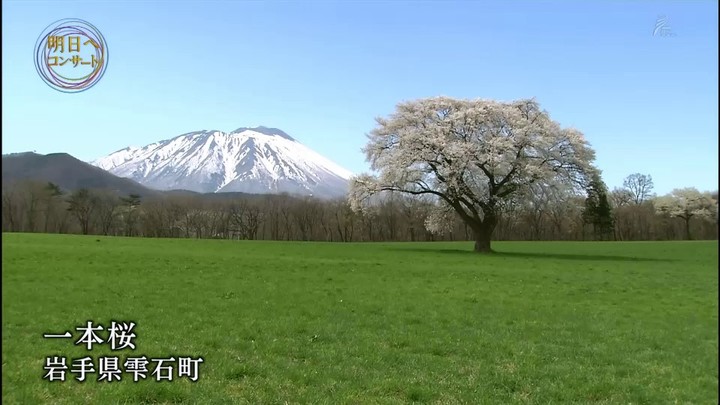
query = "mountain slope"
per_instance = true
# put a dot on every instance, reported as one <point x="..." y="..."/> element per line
<point x="250" y="160"/>
<point x="67" y="172"/>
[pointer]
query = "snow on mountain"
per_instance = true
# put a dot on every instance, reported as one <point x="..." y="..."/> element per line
<point x="251" y="160"/>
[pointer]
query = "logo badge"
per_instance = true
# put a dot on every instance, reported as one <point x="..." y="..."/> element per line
<point x="662" y="28"/>
<point x="71" y="55"/>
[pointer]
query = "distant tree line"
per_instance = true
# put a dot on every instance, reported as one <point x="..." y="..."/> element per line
<point x="628" y="213"/>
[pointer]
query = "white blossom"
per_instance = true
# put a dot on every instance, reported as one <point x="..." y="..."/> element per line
<point x="440" y="221"/>
<point x="686" y="203"/>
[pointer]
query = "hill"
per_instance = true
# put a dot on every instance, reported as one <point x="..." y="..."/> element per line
<point x="67" y="172"/>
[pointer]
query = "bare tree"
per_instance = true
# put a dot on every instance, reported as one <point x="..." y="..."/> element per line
<point x="285" y="209"/>
<point x="11" y="207"/>
<point x="34" y="193"/>
<point x="246" y="218"/>
<point x="129" y="212"/>
<point x="108" y="207"/>
<point x="345" y="220"/>
<point x="640" y="186"/>
<point x="82" y="203"/>
<point x="305" y="215"/>
<point x="52" y="198"/>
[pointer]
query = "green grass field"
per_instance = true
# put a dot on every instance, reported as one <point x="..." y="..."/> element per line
<point x="277" y="322"/>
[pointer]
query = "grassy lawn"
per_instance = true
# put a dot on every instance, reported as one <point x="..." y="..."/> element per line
<point x="276" y="322"/>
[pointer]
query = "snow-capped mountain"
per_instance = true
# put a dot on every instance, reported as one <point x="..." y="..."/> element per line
<point x="250" y="160"/>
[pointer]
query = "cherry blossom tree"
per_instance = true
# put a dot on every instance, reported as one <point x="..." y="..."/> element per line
<point x="472" y="156"/>
<point x="687" y="203"/>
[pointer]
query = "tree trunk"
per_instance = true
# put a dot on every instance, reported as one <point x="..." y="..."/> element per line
<point x="687" y="228"/>
<point x="483" y="235"/>
<point x="482" y="244"/>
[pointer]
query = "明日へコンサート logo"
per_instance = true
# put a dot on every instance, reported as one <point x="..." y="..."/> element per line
<point x="71" y="55"/>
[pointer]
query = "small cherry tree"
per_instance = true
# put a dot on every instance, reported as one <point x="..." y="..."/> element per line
<point x="687" y="203"/>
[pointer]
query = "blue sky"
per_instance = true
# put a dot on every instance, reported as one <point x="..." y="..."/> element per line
<point x="322" y="71"/>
